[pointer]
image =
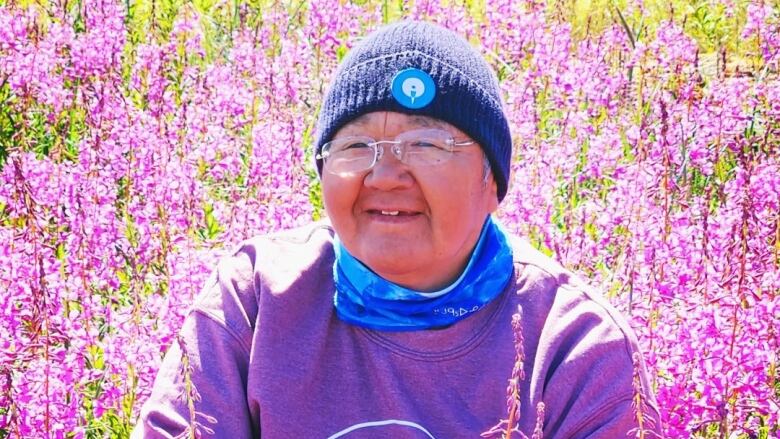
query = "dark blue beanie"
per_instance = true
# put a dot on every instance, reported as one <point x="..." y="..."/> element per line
<point x="463" y="92"/>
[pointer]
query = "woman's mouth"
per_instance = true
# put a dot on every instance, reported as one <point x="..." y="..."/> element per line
<point x="392" y="215"/>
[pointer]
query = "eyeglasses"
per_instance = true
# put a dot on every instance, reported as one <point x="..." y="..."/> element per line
<point x="416" y="148"/>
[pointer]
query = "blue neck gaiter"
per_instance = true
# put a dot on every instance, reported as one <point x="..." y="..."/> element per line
<point x="365" y="299"/>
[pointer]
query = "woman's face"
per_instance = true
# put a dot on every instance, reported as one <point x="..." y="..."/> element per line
<point x="440" y="208"/>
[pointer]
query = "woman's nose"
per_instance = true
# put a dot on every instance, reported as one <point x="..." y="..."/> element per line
<point x="389" y="172"/>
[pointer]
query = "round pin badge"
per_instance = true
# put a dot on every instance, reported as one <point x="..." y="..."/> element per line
<point x="413" y="88"/>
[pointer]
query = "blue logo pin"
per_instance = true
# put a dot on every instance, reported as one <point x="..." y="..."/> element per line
<point x="413" y="88"/>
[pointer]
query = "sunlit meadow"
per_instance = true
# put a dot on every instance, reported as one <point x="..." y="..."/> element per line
<point x="139" y="140"/>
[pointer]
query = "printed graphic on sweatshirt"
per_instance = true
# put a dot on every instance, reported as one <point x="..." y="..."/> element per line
<point x="389" y="428"/>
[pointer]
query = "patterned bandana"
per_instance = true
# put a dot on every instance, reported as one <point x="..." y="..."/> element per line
<point x="365" y="299"/>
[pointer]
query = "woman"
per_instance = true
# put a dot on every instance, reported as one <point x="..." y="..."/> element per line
<point x="395" y="318"/>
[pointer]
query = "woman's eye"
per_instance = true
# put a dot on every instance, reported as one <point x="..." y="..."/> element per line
<point x="423" y="144"/>
<point x="357" y="145"/>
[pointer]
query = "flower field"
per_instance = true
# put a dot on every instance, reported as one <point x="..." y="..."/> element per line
<point x="139" y="140"/>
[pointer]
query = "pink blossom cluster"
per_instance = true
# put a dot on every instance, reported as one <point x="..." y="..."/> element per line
<point x="664" y="189"/>
<point x="131" y="165"/>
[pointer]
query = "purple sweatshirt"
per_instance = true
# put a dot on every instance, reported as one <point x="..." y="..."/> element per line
<point x="267" y="356"/>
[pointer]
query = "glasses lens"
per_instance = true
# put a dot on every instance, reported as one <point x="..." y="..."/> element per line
<point x="349" y="154"/>
<point x="428" y="147"/>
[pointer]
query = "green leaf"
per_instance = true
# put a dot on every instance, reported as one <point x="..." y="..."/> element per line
<point x="212" y="228"/>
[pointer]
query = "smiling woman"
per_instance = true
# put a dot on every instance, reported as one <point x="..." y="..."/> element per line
<point x="400" y="316"/>
<point x="414" y="225"/>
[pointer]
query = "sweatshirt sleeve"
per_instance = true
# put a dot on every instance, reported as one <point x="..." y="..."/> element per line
<point x="201" y="385"/>
<point x="591" y="376"/>
<point x="617" y="420"/>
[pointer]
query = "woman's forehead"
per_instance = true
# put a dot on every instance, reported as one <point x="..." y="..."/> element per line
<point x="378" y="119"/>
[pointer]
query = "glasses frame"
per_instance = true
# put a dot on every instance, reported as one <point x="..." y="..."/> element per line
<point x="398" y="149"/>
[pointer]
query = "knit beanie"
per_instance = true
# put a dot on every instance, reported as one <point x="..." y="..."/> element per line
<point x="419" y="68"/>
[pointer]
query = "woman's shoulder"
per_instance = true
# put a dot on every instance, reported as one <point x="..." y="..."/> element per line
<point x="309" y="238"/>
<point x="270" y="264"/>
<point x="572" y="331"/>
<point x="568" y="307"/>
<point x="285" y="257"/>
<point x="283" y="251"/>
